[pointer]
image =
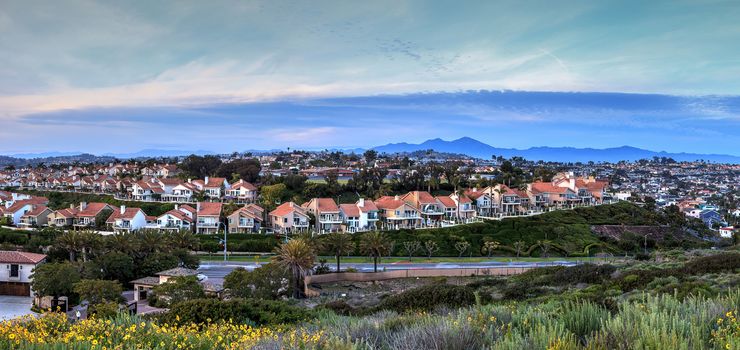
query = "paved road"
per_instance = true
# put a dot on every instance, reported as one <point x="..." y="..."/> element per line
<point x="12" y="307"/>
<point x="216" y="270"/>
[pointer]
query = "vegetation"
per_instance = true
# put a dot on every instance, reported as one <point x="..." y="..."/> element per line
<point x="297" y="257"/>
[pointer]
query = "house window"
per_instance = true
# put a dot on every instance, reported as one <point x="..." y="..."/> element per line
<point x="14" y="270"/>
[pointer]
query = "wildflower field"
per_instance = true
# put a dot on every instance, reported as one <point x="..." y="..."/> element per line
<point x="650" y="322"/>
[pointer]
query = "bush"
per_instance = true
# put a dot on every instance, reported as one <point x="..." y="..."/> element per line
<point x="429" y="297"/>
<point x="244" y="311"/>
<point x="713" y="264"/>
<point x="586" y="273"/>
<point x="340" y="307"/>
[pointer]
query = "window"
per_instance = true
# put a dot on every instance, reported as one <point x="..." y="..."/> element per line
<point x="14" y="270"/>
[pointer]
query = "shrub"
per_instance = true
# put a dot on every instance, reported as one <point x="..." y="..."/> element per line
<point x="429" y="297"/>
<point x="586" y="273"/>
<point x="339" y="307"/>
<point x="713" y="263"/>
<point x="244" y="311"/>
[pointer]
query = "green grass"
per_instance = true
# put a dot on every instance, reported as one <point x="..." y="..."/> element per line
<point x="397" y="259"/>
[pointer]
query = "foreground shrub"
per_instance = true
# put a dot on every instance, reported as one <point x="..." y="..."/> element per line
<point x="713" y="264"/>
<point x="241" y="311"/>
<point x="429" y="297"/>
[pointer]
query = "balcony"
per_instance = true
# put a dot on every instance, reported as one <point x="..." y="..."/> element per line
<point x="330" y="219"/>
<point x="203" y="224"/>
<point x="123" y="225"/>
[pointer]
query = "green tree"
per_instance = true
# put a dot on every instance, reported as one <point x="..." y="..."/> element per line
<point x="116" y="266"/>
<point x="176" y="290"/>
<point x="272" y="196"/>
<point x="157" y="262"/>
<point x="296" y="257"/>
<point x="55" y="279"/>
<point x="99" y="291"/>
<point x="431" y="247"/>
<point x="490" y="246"/>
<point x="519" y="246"/>
<point x="338" y="243"/>
<point x="462" y="247"/>
<point x="411" y="247"/>
<point x="266" y="282"/>
<point x="375" y="244"/>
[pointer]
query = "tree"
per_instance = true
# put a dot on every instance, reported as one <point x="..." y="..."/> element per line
<point x="55" y="279"/>
<point x="519" y="246"/>
<point x="71" y="242"/>
<point x="183" y="239"/>
<point x="545" y="246"/>
<point x="296" y="257"/>
<point x="200" y="167"/>
<point x="461" y="247"/>
<point x="370" y="156"/>
<point x="99" y="291"/>
<point x="267" y="282"/>
<point x="272" y="195"/>
<point x="375" y="244"/>
<point x="490" y="246"/>
<point x="176" y="290"/>
<point x="431" y="247"/>
<point x="246" y="169"/>
<point x="332" y="182"/>
<point x="116" y="266"/>
<point x="339" y="244"/>
<point x="157" y="262"/>
<point x="411" y="247"/>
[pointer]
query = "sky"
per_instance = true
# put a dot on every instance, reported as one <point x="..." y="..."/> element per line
<point x="117" y="77"/>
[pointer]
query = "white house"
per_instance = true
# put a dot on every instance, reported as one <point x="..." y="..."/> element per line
<point x="15" y="272"/>
<point x="361" y="216"/>
<point x="127" y="219"/>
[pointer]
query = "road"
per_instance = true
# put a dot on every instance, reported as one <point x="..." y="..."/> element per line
<point x="216" y="271"/>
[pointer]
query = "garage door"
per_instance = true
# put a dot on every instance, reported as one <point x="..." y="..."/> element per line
<point x="15" y="288"/>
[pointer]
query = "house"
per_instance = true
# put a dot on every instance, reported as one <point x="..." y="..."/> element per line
<point x="326" y="212"/>
<point x="36" y="217"/>
<point x="127" y="219"/>
<point x="242" y="192"/>
<point x="710" y="218"/>
<point x="360" y="216"/>
<point x="289" y="218"/>
<point x="174" y="220"/>
<point x="397" y="213"/>
<point x="430" y="209"/>
<point x="214" y="187"/>
<point x="482" y="201"/>
<point x="246" y="219"/>
<point x="63" y="217"/>
<point x="726" y="232"/>
<point x="88" y="212"/>
<point x="208" y="217"/>
<point x="20" y="207"/>
<point x="182" y="192"/>
<point x="15" y="272"/>
<point x="465" y="207"/>
<point x="545" y="195"/>
<point x="143" y="286"/>
<point x="146" y="190"/>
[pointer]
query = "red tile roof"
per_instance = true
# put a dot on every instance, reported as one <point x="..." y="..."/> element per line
<point x="36" y="210"/>
<point x="446" y="201"/>
<point x="215" y="182"/>
<point x="178" y="214"/>
<point x="243" y="184"/>
<point x="350" y="210"/>
<point x="93" y="209"/>
<point x="129" y="213"/>
<point x="546" y="187"/>
<point x="11" y="257"/>
<point x="367" y="206"/>
<point x="389" y="202"/>
<point x="209" y="209"/>
<point x="286" y="208"/>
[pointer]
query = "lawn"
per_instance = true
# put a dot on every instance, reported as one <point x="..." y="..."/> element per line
<point x="396" y="259"/>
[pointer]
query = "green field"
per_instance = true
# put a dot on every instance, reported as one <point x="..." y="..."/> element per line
<point x="396" y="259"/>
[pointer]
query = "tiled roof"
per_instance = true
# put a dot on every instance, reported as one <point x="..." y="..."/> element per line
<point x="129" y="213"/>
<point x="389" y="202"/>
<point x="93" y="209"/>
<point x="215" y="182"/>
<point x="367" y="206"/>
<point x="286" y="208"/>
<point x="546" y="187"/>
<point x="36" y="210"/>
<point x="209" y="208"/>
<point x="149" y="281"/>
<point x="178" y="214"/>
<point x="243" y="184"/>
<point x="446" y="201"/>
<point x="12" y="257"/>
<point x="350" y="210"/>
<point x="177" y="272"/>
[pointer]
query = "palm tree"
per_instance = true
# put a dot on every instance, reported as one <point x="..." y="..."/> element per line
<point x="71" y="242"/>
<point x="183" y="239"/>
<point x="297" y="257"/>
<point x="122" y="242"/>
<point x="89" y="240"/>
<point x="339" y="243"/>
<point x="151" y="241"/>
<point x="375" y="244"/>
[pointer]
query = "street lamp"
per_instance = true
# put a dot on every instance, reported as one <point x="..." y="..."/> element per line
<point x="223" y="241"/>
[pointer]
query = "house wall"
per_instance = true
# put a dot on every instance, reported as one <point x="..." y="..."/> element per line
<point x="24" y="273"/>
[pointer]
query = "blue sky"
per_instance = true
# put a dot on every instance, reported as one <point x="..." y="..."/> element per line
<point x="106" y="76"/>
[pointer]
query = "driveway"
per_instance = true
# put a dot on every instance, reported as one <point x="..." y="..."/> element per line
<point x="13" y="307"/>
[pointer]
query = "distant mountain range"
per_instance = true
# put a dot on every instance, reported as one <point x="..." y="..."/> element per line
<point x="475" y="148"/>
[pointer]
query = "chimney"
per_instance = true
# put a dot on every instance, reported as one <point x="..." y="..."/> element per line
<point x="123" y="209"/>
<point x="361" y="202"/>
<point x="177" y="206"/>
<point x="190" y="180"/>
<point x="206" y="180"/>
<point x="71" y="206"/>
<point x="83" y="205"/>
<point x="197" y="207"/>
<point x="396" y="197"/>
